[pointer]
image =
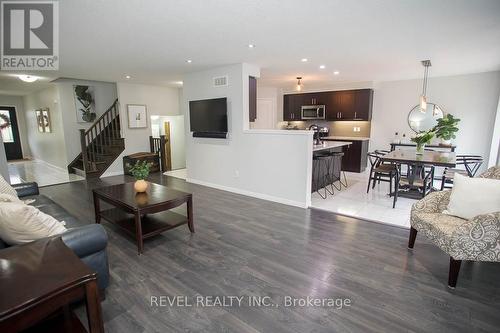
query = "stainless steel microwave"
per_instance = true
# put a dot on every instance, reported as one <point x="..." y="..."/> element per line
<point x="313" y="112"/>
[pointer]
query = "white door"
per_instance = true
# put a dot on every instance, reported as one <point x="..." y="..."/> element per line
<point x="266" y="114"/>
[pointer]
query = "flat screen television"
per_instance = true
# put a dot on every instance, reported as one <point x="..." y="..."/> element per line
<point x="208" y="118"/>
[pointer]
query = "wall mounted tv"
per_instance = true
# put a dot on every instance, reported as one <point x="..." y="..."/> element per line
<point x="208" y="118"/>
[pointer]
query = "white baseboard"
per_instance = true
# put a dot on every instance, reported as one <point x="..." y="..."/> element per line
<point x="249" y="193"/>
<point x="111" y="174"/>
<point x="51" y="165"/>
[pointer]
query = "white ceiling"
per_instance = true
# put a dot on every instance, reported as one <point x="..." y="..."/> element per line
<point x="366" y="40"/>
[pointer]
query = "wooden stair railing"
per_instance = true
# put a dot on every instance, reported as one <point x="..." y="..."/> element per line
<point x="100" y="144"/>
<point x="159" y="146"/>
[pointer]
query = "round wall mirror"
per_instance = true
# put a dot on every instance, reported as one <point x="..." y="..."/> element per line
<point x="424" y="121"/>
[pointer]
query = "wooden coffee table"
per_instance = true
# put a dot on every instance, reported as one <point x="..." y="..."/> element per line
<point x="39" y="278"/>
<point x="143" y="215"/>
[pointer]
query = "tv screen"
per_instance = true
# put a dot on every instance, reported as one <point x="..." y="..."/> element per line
<point x="209" y="115"/>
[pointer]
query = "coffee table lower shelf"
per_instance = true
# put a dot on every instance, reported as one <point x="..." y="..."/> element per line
<point x="151" y="224"/>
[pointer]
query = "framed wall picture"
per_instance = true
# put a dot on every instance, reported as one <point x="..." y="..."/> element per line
<point x="137" y="116"/>
<point x="43" y="120"/>
<point x="46" y="120"/>
<point x="84" y="103"/>
<point x="39" y="120"/>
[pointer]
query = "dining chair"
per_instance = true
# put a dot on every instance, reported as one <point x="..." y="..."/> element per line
<point x="421" y="178"/>
<point x="379" y="171"/>
<point x="467" y="165"/>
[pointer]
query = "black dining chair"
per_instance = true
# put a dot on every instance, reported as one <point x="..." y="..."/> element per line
<point x="380" y="171"/>
<point x="422" y="177"/>
<point x="466" y="165"/>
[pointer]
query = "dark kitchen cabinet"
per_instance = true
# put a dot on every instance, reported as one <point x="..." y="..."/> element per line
<point x="252" y="97"/>
<point x="355" y="155"/>
<point x="363" y="104"/>
<point x="292" y="105"/>
<point x="341" y="105"/>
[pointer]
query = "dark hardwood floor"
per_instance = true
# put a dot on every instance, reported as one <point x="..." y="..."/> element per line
<point x="250" y="247"/>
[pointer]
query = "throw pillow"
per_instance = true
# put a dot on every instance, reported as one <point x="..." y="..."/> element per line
<point x="474" y="196"/>
<point x="6" y="188"/>
<point x="20" y="223"/>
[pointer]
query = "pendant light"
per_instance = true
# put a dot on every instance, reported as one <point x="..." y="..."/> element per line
<point x="299" y="84"/>
<point x="423" y="97"/>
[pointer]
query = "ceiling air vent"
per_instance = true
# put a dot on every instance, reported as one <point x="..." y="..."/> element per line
<point x="220" y="81"/>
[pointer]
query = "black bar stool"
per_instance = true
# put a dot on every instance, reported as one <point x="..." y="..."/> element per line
<point x="321" y="162"/>
<point x="335" y="168"/>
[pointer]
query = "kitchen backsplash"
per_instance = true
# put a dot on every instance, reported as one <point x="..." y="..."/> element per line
<point x="337" y="128"/>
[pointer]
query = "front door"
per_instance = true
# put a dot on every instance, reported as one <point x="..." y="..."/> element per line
<point x="10" y="133"/>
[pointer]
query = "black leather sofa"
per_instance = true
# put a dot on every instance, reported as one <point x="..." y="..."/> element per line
<point x="88" y="241"/>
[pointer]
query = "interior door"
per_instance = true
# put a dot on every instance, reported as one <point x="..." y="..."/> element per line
<point x="168" y="149"/>
<point x="10" y="133"/>
<point x="266" y="114"/>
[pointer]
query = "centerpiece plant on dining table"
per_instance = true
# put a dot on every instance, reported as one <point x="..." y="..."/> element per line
<point x="421" y="139"/>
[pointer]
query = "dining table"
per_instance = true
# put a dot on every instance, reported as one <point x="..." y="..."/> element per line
<point x="415" y="162"/>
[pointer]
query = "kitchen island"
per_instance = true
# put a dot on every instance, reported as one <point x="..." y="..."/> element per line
<point x="321" y="168"/>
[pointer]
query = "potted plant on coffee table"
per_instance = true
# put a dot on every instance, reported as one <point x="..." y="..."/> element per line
<point x="446" y="129"/>
<point x="421" y="139"/>
<point x="140" y="171"/>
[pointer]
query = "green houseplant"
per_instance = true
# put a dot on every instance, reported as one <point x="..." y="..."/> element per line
<point x="446" y="128"/>
<point x="421" y="139"/>
<point x="140" y="171"/>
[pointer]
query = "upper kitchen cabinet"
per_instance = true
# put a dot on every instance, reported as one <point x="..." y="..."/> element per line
<point x="339" y="105"/>
<point x="292" y="105"/>
<point x="363" y="104"/>
<point x="252" y="99"/>
<point x="350" y="105"/>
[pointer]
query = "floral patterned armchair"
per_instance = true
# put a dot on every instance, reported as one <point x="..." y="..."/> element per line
<point x="477" y="239"/>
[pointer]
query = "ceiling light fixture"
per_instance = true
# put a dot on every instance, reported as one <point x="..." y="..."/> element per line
<point x="303" y="59"/>
<point x="251" y="46"/>
<point x="322" y="66"/>
<point x="127" y="77"/>
<point x="299" y="84"/>
<point x="336" y="73"/>
<point x="189" y="61"/>
<point x="423" y="97"/>
<point x="27" y="78"/>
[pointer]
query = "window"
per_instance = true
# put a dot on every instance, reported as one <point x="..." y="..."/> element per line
<point x="6" y="127"/>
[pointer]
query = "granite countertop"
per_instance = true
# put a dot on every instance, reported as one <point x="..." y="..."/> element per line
<point x="330" y="145"/>
<point x="351" y="138"/>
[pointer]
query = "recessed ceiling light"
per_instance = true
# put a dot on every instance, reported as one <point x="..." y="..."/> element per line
<point x="336" y="73"/>
<point x="27" y="78"/>
<point x="180" y="83"/>
<point x="303" y="59"/>
<point x="322" y="66"/>
<point x="127" y="77"/>
<point x="251" y="46"/>
<point x="189" y="61"/>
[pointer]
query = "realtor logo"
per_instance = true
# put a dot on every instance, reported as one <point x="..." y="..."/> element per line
<point x="30" y="35"/>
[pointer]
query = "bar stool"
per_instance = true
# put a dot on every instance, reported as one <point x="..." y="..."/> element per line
<point x="337" y="157"/>
<point x="335" y="168"/>
<point x="321" y="161"/>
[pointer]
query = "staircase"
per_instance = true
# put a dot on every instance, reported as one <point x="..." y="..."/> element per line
<point x="101" y="145"/>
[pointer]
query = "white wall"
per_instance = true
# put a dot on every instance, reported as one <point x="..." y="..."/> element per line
<point x="473" y="98"/>
<point x="17" y="102"/>
<point x="161" y="101"/>
<point x="48" y="147"/>
<point x="104" y="96"/>
<point x="274" y="165"/>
